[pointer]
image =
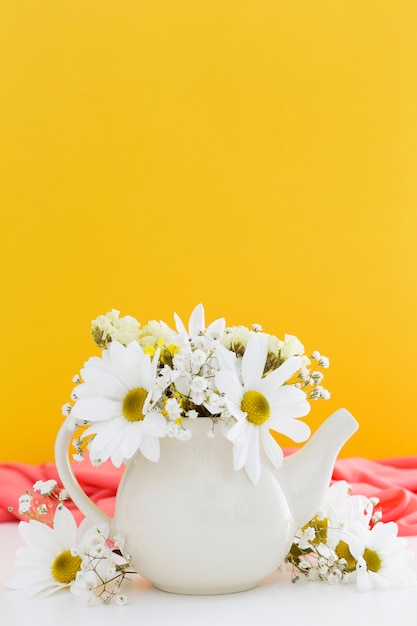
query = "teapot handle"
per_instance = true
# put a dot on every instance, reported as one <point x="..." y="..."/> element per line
<point x="66" y="474"/>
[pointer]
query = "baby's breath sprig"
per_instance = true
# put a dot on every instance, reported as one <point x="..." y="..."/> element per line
<point x="309" y="378"/>
<point x="311" y="556"/>
<point x="41" y="503"/>
<point x="103" y="571"/>
<point x="80" y="445"/>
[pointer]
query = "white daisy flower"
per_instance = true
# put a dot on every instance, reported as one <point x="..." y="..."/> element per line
<point x="50" y="557"/>
<point x="260" y="403"/>
<point x="381" y="557"/>
<point x="118" y="397"/>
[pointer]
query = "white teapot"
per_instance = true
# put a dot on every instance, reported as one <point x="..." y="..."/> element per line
<point x="194" y="525"/>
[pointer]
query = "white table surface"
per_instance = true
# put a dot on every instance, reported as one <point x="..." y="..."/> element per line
<point x="276" y="601"/>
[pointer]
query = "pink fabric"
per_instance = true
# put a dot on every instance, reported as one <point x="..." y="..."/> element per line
<point x="393" y="481"/>
<point x="100" y="484"/>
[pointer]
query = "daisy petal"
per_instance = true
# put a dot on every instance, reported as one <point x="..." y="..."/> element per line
<point x="241" y="445"/>
<point x="36" y="534"/>
<point x="102" y="381"/>
<point x="106" y="432"/>
<point x="65" y="527"/>
<point x="363" y="580"/>
<point x="147" y="372"/>
<point x="297" y="409"/>
<point x="253" y="461"/>
<point x="237" y="431"/>
<point x="253" y="361"/>
<point x="115" y="354"/>
<point x="150" y="447"/>
<point x="155" y="424"/>
<point x="292" y="428"/>
<point x="228" y="383"/>
<point x="216" y="328"/>
<point x="226" y="358"/>
<point x="105" y="446"/>
<point x="96" y="409"/>
<point x="133" y="366"/>
<point x="283" y="396"/>
<point x="272" y="449"/>
<point x="283" y="373"/>
<point x="196" y="323"/>
<point x="132" y="437"/>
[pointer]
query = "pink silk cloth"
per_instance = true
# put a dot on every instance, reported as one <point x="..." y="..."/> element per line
<point x="393" y="481"/>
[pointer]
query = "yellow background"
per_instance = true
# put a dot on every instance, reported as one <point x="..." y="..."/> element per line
<point x="257" y="156"/>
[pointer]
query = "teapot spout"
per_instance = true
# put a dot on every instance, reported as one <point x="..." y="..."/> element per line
<point x="308" y="472"/>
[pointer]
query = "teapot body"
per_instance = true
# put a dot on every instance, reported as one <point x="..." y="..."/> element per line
<point x="194" y="525"/>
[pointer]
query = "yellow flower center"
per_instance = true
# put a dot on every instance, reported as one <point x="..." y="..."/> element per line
<point x="343" y="552"/>
<point x="256" y="407"/>
<point x="65" y="567"/>
<point x="373" y="560"/>
<point x="133" y="404"/>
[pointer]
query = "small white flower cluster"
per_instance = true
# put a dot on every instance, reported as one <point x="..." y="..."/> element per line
<point x="25" y="503"/>
<point x="34" y="506"/>
<point x="194" y="392"/>
<point x="101" y="571"/>
<point x="347" y="542"/>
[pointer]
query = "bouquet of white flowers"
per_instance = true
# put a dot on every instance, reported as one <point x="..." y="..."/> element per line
<point x="151" y="379"/>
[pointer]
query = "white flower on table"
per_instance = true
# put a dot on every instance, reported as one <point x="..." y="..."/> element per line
<point x="381" y="556"/>
<point x="51" y="558"/>
<point x="260" y="403"/>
